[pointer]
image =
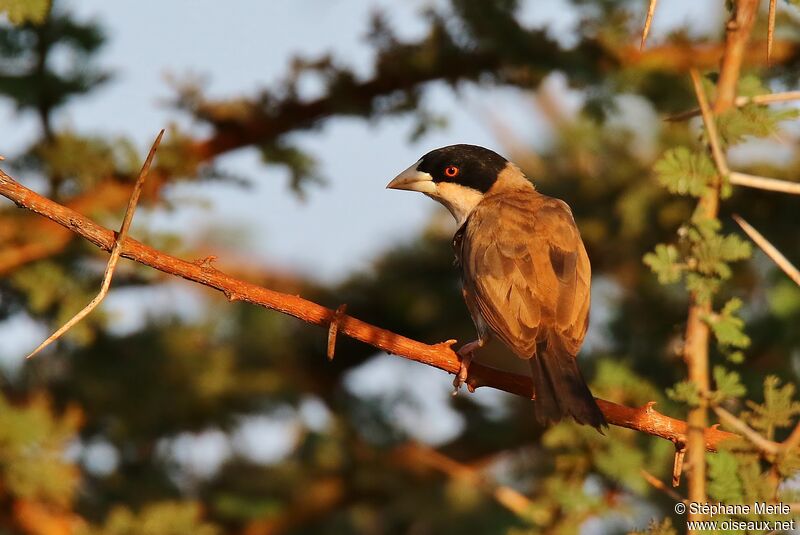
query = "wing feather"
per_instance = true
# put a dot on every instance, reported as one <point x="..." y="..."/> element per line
<point x="528" y="270"/>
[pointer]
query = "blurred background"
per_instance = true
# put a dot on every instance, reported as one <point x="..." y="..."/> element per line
<point x="172" y="410"/>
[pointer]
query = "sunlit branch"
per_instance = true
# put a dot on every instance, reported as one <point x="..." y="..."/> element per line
<point x="697" y="338"/>
<point x="115" y="253"/>
<point x="441" y="356"/>
<point x="761" y="182"/>
<point x="770" y="250"/>
<point x="769" y="98"/>
<point x="773" y="4"/>
<point x="710" y="124"/>
<point x="651" y="9"/>
<point x="763" y="444"/>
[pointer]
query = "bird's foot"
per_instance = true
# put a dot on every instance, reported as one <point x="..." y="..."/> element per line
<point x="466" y="353"/>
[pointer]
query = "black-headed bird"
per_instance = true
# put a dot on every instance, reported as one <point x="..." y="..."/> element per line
<point x="525" y="272"/>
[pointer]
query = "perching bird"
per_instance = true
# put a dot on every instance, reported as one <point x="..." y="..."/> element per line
<point x="525" y="271"/>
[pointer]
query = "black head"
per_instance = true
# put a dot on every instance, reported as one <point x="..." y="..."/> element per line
<point x="468" y="165"/>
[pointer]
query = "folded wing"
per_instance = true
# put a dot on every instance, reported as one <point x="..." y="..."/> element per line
<point x="526" y="268"/>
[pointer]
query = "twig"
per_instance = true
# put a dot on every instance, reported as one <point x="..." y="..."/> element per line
<point x="677" y="464"/>
<point x="115" y="252"/>
<point x="771" y="29"/>
<point x="651" y="9"/>
<point x="767" y="446"/>
<point x="769" y="250"/>
<point x="333" y="329"/>
<point x="417" y="455"/>
<point x="768" y="98"/>
<point x="644" y="419"/>
<point x="760" y="182"/>
<point x="711" y="126"/>
<point x="657" y="484"/>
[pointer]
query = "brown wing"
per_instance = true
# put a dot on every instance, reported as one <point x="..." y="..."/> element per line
<point x="525" y="263"/>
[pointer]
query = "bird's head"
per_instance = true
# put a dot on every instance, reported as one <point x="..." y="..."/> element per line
<point x="457" y="176"/>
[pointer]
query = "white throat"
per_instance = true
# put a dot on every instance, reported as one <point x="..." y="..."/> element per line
<point x="459" y="200"/>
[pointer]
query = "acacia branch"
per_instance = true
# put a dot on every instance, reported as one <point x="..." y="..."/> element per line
<point x="762" y="182"/>
<point x="771" y="28"/>
<point x="697" y="340"/>
<point x="769" y="249"/>
<point x="695" y="352"/>
<point x="115" y="253"/>
<point x="737" y="36"/>
<point x="415" y="456"/>
<point x="766" y="98"/>
<point x="651" y="9"/>
<point x="441" y="356"/>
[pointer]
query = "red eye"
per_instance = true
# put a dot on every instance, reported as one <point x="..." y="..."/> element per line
<point x="451" y="171"/>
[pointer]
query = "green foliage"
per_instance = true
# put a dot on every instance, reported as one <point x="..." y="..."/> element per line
<point x="616" y="381"/>
<point x="777" y="411"/>
<point x="750" y="85"/>
<point x="784" y="299"/>
<point x="301" y="166"/>
<point x="32" y="451"/>
<point x="167" y="518"/>
<point x="23" y="11"/>
<point x="728" y="385"/>
<point x="176" y="154"/>
<point x="52" y="292"/>
<point x="622" y="463"/>
<point x="665" y="263"/>
<point x="728" y="327"/>
<point x="723" y="473"/>
<point x="45" y="89"/>
<point x="711" y="251"/>
<point x="685" y="392"/>
<point x="751" y="120"/>
<point x="703" y="256"/>
<point x="86" y="160"/>
<point x="685" y="172"/>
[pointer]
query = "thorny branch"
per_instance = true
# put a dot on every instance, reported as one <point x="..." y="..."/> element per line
<point x="767" y="98"/>
<point x="697" y="336"/>
<point x="416" y="456"/>
<point x="770" y="250"/>
<point x="115" y="252"/>
<point x="651" y="9"/>
<point x="737" y="36"/>
<point x="695" y="353"/>
<point x="441" y="356"/>
<point x="773" y="5"/>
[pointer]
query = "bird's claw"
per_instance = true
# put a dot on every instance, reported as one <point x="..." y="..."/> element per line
<point x="466" y="353"/>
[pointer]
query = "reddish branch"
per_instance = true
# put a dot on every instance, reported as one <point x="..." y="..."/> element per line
<point x="737" y="36"/>
<point x="27" y="240"/>
<point x="644" y="419"/>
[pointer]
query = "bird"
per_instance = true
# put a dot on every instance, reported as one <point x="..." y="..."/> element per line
<point x="525" y="273"/>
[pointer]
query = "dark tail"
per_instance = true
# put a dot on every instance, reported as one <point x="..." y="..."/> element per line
<point x="560" y="390"/>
